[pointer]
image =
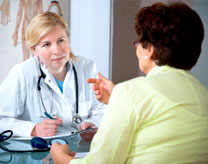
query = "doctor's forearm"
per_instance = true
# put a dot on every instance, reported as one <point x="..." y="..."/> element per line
<point x="16" y="126"/>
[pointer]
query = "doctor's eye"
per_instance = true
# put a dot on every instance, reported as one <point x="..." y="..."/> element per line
<point x="61" y="40"/>
<point x="46" y="45"/>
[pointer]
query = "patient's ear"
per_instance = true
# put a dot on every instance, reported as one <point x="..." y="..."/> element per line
<point x="150" y="50"/>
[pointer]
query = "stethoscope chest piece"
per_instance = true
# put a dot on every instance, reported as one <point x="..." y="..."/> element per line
<point x="76" y="119"/>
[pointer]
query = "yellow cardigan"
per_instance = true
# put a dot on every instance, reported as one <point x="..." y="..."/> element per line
<point x="158" y="119"/>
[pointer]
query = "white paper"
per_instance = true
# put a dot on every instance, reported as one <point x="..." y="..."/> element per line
<point x="60" y="133"/>
<point x="81" y="154"/>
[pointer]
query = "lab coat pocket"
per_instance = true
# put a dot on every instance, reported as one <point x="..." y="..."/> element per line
<point x="84" y="108"/>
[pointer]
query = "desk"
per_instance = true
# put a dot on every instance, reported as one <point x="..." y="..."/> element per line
<point x="75" y="142"/>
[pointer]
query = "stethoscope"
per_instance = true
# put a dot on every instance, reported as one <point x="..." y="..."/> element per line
<point x="76" y="119"/>
<point x="40" y="144"/>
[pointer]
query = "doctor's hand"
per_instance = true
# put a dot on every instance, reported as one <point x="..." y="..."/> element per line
<point x="61" y="154"/>
<point x="47" y="127"/>
<point x="87" y="135"/>
<point x="102" y="88"/>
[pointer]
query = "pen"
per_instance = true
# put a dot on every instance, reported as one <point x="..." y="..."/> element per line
<point x="50" y="117"/>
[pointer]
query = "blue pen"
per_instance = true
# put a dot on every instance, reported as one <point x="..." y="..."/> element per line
<point x="50" y="117"/>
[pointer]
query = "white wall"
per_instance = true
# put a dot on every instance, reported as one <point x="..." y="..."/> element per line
<point x="90" y="31"/>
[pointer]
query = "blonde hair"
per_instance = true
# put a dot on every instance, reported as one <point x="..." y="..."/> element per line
<point x="41" y="24"/>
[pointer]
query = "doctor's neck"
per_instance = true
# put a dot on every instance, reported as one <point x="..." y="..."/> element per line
<point x="59" y="73"/>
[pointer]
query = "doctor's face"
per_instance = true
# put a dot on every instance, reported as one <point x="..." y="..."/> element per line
<point x="53" y="49"/>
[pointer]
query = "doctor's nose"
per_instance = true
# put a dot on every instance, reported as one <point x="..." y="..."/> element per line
<point x="55" y="48"/>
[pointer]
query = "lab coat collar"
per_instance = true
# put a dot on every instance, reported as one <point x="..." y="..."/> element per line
<point x="50" y="80"/>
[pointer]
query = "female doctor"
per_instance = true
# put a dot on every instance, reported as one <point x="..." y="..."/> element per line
<point x="49" y="90"/>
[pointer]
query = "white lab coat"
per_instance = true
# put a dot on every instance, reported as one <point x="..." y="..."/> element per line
<point x="20" y="104"/>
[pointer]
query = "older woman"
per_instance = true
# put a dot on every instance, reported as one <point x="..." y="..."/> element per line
<point x="160" y="118"/>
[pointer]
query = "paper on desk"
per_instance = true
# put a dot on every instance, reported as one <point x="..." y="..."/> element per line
<point x="60" y="133"/>
<point x="81" y="154"/>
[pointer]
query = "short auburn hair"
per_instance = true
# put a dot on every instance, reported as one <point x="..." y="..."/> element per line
<point x="175" y="31"/>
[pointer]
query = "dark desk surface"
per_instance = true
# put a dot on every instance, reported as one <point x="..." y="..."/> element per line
<point x="75" y="142"/>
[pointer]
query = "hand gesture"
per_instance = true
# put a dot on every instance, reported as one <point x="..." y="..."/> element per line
<point x="102" y="88"/>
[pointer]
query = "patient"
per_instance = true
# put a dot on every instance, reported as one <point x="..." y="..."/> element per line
<point x="163" y="117"/>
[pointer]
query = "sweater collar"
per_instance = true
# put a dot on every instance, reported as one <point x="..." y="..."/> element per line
<point x="158" y="69"/>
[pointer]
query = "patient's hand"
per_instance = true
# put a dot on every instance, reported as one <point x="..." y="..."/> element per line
<point x="102" y="88"/>
<point x="88" y="135"/>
